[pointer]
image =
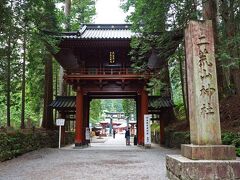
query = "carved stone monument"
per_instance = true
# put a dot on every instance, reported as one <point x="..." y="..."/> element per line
<point x="205" y="157"/>
<point x="202" y="85"/>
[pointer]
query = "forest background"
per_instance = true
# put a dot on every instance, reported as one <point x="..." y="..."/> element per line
<point x="26" y="63"/>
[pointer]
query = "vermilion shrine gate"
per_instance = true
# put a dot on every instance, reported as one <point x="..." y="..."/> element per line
<point x="97" y="65"/>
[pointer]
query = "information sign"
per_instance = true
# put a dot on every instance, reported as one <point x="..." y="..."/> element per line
<point x="147" y="130"/>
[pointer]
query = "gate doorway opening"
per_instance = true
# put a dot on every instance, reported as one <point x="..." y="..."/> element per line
<point x="110" y="118"/>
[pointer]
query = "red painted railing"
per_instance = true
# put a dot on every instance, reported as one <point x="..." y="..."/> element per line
<point x="105" y="71"/>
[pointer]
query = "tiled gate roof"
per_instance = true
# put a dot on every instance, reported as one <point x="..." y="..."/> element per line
<point x="100" y="31"/>
<point x="64" y="102"/>
<point x="69" y="102"/>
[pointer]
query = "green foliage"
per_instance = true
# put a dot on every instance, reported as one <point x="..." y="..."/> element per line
<point x="140" y="50"/>
<point x="236" y="141"/>
<point x="82" y="12"/>
<point x="24" y="17"/>
<point x="238" y="152"/>
<point x="175" y="76"/>
<point x="175" y="139"/>
<point x="182" y="136"/>
<point x="31" y="19"/>
<point x="230" y="138"/>
<point x="129" y="107"/>
<point x="17" y="143"/>
<point x="95" y="111"/>
<point x="112" y="105"/>
<point x="228" y="45"/>
<point x="99" y="106"/>
<point x="176" y="83"/>
<point x="159" y="28"/>
<point x="155" y="127"/>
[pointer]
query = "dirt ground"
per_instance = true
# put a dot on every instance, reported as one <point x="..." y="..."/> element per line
<point x="106" y="158"/>
<point x="229" y="115"/>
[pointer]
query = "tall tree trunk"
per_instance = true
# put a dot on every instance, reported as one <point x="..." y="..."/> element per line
<point x="210" y="12"/>
<point x="168" y="92"/>
<point x="232" y="72"/>
<point x="23" y="81"/>
<point x="9" y="82"/>
<point x="48" y="82"/>
<point x="48" y="93"/>
<point x="67" y="11"/>
<point x="62" y="84"/>
<point x="183" y="84"/>
<point x="231" y="32"/>
<point x="236" y="79"/>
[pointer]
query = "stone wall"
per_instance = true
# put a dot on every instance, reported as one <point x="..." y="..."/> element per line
<point x="181" y="168"/>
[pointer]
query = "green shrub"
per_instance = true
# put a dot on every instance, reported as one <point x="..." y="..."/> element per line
<point x="228" y="137"/>
<point x="238" y="152"/>
<point x="16" y="143"/>
<point x="175" y="139"/>
<point x="236" y="141"/>
<point x="155" y="127"/>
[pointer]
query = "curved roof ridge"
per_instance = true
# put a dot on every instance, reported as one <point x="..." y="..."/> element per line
<point x="105" y="26"/>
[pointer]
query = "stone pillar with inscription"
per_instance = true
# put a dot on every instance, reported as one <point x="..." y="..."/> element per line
<point x="203" y="105"/>
<point x="202" y="84"/>
<point x="205" y="157"/>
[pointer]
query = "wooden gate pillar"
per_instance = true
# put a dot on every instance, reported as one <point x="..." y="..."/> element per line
<point x="79" y="139"/>
<point x="162" y="126"/>
<point x="63" y="132"/>
<point x="138" y="102"/>
<point x="86" y="118"/>
<point x="143" y="110"/>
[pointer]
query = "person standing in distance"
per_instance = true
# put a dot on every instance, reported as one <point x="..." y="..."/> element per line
<point x="127" y="136"/>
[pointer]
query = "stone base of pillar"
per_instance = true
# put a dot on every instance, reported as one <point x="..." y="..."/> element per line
<point x="182" y="168"/>
<point x="78" y="144"/>
<point x="147" y="146"/>
<point x="208" y="152"/>
<point x="81" y="145"/>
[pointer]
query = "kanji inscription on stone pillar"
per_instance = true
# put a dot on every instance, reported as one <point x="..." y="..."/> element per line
<point x="202" y="84"/>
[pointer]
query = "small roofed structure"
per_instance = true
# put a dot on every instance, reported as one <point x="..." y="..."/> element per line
<point x="157" y="103"/>
<point x="64" y="103"/>
<point x="66" y="106"/>
<point x="161" y="107"/>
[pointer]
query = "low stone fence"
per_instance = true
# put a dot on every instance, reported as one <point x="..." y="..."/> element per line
<point x="13" y="144"/>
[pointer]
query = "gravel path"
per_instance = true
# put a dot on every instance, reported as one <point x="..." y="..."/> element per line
<point x="106" y="158"/>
